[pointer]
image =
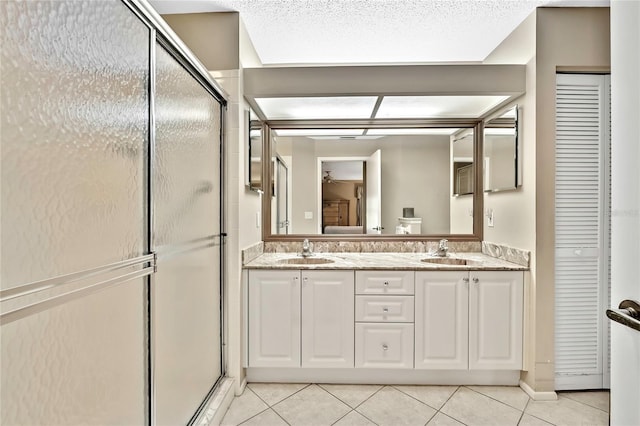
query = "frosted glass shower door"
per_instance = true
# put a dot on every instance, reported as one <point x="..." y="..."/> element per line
<point x="186" y="191"/>
<point x="74" y="137"/>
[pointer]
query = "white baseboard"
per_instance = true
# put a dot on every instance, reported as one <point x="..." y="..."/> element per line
<point x="242" y="386"/>
<point x="538" y="396"/>
<point x="383" y="376"/>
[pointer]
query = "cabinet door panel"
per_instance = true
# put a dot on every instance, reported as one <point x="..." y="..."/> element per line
<point x="274" y="318"/>
<point x="327" y="318"/>
<point x="495" y="320"/>
<point x="441" y="320"/>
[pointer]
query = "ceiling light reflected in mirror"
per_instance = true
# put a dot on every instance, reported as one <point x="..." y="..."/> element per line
<point x="437" y="106"/>
<point x="415" y="131"/>
<point x="319" y="132"/>
<point x="389" y="107"/>
<point x="309" y="108"/>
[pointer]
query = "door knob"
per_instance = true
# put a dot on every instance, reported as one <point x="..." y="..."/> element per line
<point x="628" y="313"/>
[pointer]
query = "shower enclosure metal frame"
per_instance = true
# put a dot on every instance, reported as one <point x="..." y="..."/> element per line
<point x="145" y="265"/>
<point x="161" y="33"/>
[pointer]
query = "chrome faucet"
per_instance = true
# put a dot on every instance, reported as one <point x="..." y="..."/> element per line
<point x="443" y="248"/>
<point x="307" y="248"/>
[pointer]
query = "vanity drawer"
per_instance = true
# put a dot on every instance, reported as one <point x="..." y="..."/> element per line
<point x="384" y="308"/>
<point x="385" y="282"/>
<point x="384" y="345"/>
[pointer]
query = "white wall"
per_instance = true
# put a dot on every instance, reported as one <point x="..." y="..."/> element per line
<point x="242" y="205"/>
<point x="551" y="39"/>
<point x="304" y="187"/>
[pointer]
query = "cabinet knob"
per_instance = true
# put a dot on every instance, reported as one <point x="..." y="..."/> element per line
<point x="385" y="310"/>
<point x="466" y="280"/>
<point x="386" y="283"/>
<point x="306" y="279"/>
<point x="476" y="280"/>
<point x="385" y="347"/>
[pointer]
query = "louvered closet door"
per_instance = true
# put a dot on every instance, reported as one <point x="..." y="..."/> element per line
<point x="582" y="230"/>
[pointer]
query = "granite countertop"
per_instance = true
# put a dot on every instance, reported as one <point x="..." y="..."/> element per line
<point x="393" y="261"/>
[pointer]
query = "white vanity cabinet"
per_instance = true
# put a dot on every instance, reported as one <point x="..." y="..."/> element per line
<point x="469" y="320"/>
<point x="274" y="318"/>
<point x="301" y="318"/>
<point x="495" y="320"/>
<point x="370" y="326"/>
<point x="327" y="319"/>
<point x="384" y="319"/>
<point x="442" y="307"/>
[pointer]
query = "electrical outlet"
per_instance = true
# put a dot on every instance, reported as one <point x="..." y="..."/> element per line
<point x="490" y="218"/>
<point x="257" y="219"/>
<point x="308" y="215"/>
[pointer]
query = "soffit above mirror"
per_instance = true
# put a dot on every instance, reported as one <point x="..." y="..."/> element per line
<point x="382" y="92"/>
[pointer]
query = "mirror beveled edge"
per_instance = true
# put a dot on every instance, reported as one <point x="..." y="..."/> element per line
<point x="478" y="195"/>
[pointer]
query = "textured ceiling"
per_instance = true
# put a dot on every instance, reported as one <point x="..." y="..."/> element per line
<point x="373" y="31"/>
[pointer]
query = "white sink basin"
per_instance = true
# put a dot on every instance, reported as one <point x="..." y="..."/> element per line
<point x="451" y="261"/>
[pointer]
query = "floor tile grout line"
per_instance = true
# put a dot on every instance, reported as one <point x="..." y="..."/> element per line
<point x="278" y="414"/>
<point x="523" y="410"/>
<point x="453" y="418"/>
<point x="449" y="399"/>
<point x="255" y="415"/>
<point x="445" y="403"/>
<point x="319" y="386"/>
<point x="375" y="423"/>
<point x="536" y="417"/>
<point x="342" y="417"/>
<point x="287" y="397"/>
<point x="339" y="400"/>
<point x="353" y="410"/>
<point x="542" y="420"/>
<point x="344" y="402"/>
<point x="490" y="397"/>
<point x="258" y="396"/>
<point x="411" y="396"/>
<point x="381" y="387"/>
<point x="430" y="418"/>
<point x="583" y="403"/>
<point x="370" y="396"/>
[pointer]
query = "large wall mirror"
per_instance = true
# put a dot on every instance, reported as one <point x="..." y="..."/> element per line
<point x="372" y="182"/>
<point x="502" y="169"/>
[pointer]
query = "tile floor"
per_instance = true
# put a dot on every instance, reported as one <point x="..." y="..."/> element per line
<point x="273" y="404"/>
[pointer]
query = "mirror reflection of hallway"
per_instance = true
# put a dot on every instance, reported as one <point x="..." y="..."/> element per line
<point x="343" y="196"/>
